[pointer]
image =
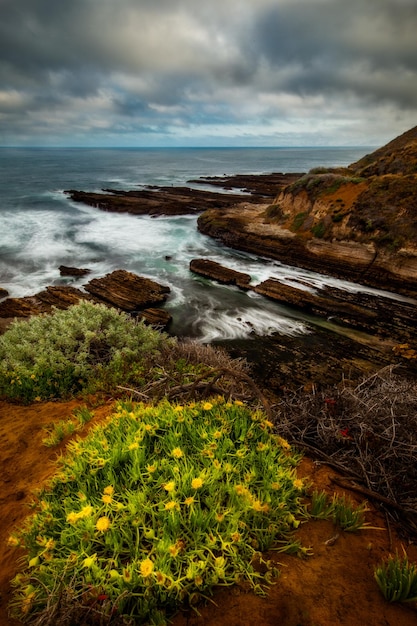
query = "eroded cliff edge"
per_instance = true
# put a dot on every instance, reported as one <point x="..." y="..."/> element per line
<point x="357" y="223"/>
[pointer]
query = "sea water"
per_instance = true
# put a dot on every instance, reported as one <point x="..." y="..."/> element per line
<point x="41" y="229"/>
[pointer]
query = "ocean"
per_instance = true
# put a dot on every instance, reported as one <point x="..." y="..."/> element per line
<point x="41" y="229"/>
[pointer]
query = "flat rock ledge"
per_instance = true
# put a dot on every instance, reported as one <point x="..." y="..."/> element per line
<point x="374" y="314"/>
<point x="120" y="289"/>
<point x="127" y="291"/>
<point x="215" y="271"/>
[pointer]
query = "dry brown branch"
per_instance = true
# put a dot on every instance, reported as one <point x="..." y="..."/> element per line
<point x="369" y="430"/>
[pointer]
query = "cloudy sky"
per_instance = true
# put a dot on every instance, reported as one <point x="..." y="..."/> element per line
<point x="207" y="72"/>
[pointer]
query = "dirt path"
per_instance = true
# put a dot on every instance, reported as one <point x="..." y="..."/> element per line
<point x="334" y="586"/>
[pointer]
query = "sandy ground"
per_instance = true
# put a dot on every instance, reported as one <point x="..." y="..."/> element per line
<point x="334" y="586"/>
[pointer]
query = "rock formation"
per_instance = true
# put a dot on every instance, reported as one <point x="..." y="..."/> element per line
<point x="215" y="271"/>
<point x="357" y="223"/>
<point x="73" y="271"/>
<point x="375" y="314"/>
<point x="121" y="289"/>
<point x="127" y="291"/>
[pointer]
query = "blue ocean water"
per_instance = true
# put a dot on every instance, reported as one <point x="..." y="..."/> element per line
<point x="41" y="229"/>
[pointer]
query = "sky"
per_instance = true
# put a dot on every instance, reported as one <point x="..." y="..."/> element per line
<point x="143" y="73"/>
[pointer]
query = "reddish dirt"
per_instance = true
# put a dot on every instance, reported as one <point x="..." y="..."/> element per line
<point x="334" y="586"/>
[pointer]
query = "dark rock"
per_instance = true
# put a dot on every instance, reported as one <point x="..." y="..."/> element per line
<point x="265" y="185"/>
<point x="3" y="293"/>
<point x="73" y="271"/>
<point x="127" y="291"/>
<point x="215" y="271"/>
<point x="158" y="318"/>
<point x="157" y="201"/>
<point x="372" y="313"/>
<point x="42" y="302"/>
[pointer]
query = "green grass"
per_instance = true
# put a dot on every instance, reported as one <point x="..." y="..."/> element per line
<point x="397" y="579"/>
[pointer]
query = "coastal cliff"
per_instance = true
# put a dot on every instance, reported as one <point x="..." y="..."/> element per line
<point x="358" y="223"/>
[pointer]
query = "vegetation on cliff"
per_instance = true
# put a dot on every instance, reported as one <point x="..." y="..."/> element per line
<point x="163" y="502"/>
<point x="373" y="200"/>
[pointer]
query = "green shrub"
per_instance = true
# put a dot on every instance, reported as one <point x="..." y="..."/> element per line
<point x="299" y="219"/>
<point x="319" y="229"/>
<point x="397" y="579"/>
<point x="155" y="508"/>
<point x="84" y="348"/>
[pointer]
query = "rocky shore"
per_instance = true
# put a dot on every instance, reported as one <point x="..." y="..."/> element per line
<point x="121" y="289"/>
<point x="356" y="223"/>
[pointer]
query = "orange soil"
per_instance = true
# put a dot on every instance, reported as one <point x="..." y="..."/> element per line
<point x="335" y="586"/>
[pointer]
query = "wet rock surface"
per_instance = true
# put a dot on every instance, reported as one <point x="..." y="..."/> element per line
<point x="42" y="302"/>
<point x="265" y="185"/>
<point x="73" y="271"/>
<point x="371" y="313"/>
<point x="127" y="291"/>
<point x="157" y="200"/>
<point x="215" y="271"/>
<point x="121" y="289"/>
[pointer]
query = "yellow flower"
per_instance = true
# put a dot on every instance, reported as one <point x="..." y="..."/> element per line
<point x="72" y="517"/>
<point x="177" y="453"/>
<point x="38" y="399"/>
<point x="275" y="486"/>
<point x="220" y="517"/>
<point x="235" y="537"/>
<point x="258" y="506"/>
<point x="238" y="403"/>
<point x="262" y="446"/>
<point x="109" y="490"/>
<point x="169" y="486"/>
<point x="103" y="524"/>
<point x="207" y="406"/>
<point x="86" y="511"/>
<point x="151" y="468"/>
<point x="178" y="408"/>
<point x="298" y="483"/>
<point x="170" y="505"/>
<point x="134" y="446"/>
<point x="189" y="501"/>
<point x="33" y="377"/>
<point x="106" y="498"/>
<point x="217" y="434"/>
<point x="146" y="568"/>
<point x="196" y="483"/>
<point x="241" y="490"/>
<point x="283" y="443"/>
<point x="268" y="424"/>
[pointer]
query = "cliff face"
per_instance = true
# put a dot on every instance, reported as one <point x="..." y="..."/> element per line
<point x="358" y="223"/>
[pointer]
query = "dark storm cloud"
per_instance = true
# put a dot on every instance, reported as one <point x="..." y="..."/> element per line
<point x="336" y="46"/>
<point x="255" y="69"/>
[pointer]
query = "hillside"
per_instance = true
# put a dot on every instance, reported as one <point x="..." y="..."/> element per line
<point x="358" y="222"/>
